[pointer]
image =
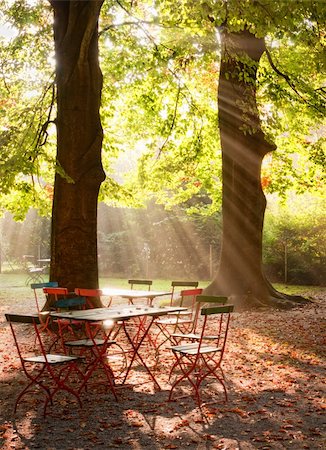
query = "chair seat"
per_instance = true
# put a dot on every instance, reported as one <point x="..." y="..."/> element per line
<point x="51" y="359"/>
<point x="173" y="321"/>
<point x="88" y="342"/>
<point x="192" y="349"/>
<point x="180" y="313"/>
<point x="186" y="336"/>
<point x="196" y="336"/>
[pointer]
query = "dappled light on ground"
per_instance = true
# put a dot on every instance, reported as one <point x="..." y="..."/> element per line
<point x="274" y="370"/>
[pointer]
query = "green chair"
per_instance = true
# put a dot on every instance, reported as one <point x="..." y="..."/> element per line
<point x="200" y="361"/>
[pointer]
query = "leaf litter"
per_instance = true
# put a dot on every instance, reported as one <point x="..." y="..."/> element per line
<point x="274" y="366"/>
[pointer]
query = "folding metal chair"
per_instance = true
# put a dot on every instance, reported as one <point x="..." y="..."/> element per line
<point x="201" y="360"/>
<point x="34" y="274"/>
<point x="147" y="283"/>
<point x="181" y="284"/>
<point x="88" y="347"/>
<point x="116" y="355"/>
<point x="180" y="322"/>
<point x="62" y="302"/>
<point x="37" y="286"/>
<point x="94" y="350"/>
<point x="88" y="293"/>
<point x="194" y="333"/>
<point x="50" y="373"/>
<point x="134" y="284"/>
<point x="56" y="291"/>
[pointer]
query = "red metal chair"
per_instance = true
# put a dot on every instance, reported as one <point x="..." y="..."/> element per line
<point x="201" y="360"/>
<point x="116" y="354"/>
<point x="88" y="293"/>
<point x="194" y="333"/>
<point x="48" y="372"/>
<point x="181" y="322"/>
<point x="62" y="302"/>
<point x="181" y="284"/>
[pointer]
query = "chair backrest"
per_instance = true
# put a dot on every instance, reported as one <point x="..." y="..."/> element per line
<point x="56" y="292"/>
<point x="184" y="284"/>
<point x="188" y="299"/>
<point x="222" y="315"/>
<point x="203" y="300"/>
<point x="88" y="293"/>
<point x="147" y="283"/>
<point x="37" y="286"/>
<point x="225" y="309"/>
<point x="181" y="284"/>
<point x="13" y="319"/>
<point x="44" y="285"/>
<point x="210" y="299"/>
<point x="70" y="303"/>
<point x="22" y="318"/>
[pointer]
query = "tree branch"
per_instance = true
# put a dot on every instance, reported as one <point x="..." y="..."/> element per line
<point x="127" y="22"/>
<point x="173" y="121"/>
<point x="288" y="80"/>
<point x="42" y="135"/>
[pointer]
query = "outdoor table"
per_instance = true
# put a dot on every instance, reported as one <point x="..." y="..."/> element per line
<point x="121" y="314"/>
<point x="133" y="294"/>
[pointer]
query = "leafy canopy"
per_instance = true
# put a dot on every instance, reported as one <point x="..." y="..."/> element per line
<point x="160" y="63"/>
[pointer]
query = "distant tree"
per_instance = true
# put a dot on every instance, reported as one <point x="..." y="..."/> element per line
<point x="295" y="241"/>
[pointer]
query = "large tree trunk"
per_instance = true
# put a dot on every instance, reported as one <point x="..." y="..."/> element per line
<point x="79" y="141"/>
<point x="244" y="146"/>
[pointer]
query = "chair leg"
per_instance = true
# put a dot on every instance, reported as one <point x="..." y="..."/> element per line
<point x="196" y="371"/>
<point x="186" y="369"/>
<point x="213" y="371"/>
<point x="33" y="381"/>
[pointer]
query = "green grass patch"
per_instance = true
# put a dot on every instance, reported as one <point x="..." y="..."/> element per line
<point x="14" y="291"/>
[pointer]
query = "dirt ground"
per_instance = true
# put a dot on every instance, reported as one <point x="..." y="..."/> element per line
<point x="275" y="370"/>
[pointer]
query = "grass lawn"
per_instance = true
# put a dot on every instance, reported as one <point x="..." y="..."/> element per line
<point x="14" y="291"/>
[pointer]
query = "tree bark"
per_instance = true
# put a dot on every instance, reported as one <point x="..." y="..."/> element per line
<point x="244" y="146"/>
<point x="79" y="142"/>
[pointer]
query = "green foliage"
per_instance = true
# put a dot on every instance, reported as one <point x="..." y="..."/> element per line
<point x="160" y="64"/>
<point x="26" y="92"/>
<point x="159" y="116"/>
<point x="164" y="115"/>
<point x="295" y="241"/>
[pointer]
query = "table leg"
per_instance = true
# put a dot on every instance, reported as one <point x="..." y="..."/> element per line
<point x="136" y="346"/>
<point x="98" y="354"/>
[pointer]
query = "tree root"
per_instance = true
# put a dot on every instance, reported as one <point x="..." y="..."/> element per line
<point x="250" y="300"/>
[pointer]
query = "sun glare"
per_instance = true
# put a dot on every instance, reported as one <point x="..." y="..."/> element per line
<point x="7" y="32"/>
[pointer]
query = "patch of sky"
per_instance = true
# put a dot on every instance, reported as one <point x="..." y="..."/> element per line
<point x="7" y="32"/>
